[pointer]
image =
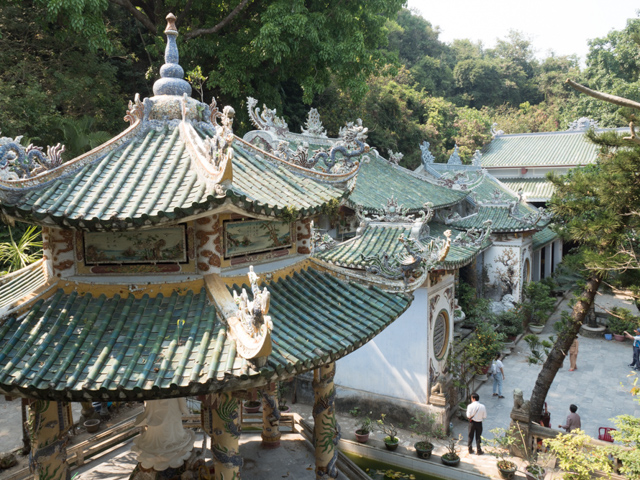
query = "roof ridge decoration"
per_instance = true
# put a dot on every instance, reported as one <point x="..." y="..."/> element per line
<point x="314" y="125"/>
<point x="494" y="130"/>
<point x="476" y="160"/>
<point x="395" y="158"/>
<point x="531" y="219"/>
<point x="394" y="213"/>
<point x="321" y="241"/>
<point x="419" y="259"/>
<point x="251" y="326"/>
<point x="18" y="162"/>
<point x="474" y="237"/>
<point x="454" y="159"/>
<point x="171" y="80"/>
<point x="267" y="120"/>
<point x="582" y="124"/>
<point x="427" y="156"/>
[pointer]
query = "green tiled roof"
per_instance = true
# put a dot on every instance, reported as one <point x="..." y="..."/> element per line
<point x="502" y="220"/>
<point x="539" y="149"/>
<point x="375" y="240"/>
<point x="378" y="180"/>
<point x="535" y="189"/>
<point x="543" y="237"/>
<point x="381" y="239"/>
<point x="458" y="255"/>
<point x="148" y="180"/>
<point x="71" y="346"/>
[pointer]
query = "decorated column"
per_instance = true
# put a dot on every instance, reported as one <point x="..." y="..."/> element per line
<point x="48" y="426"/>
<point x="326" y="431"/>
<point x="220" y="419"/>
<point x="270" y="417"/>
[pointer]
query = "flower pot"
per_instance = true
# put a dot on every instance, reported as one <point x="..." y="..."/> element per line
<point x="285" y="409"/>
<point x="537" y="329"/>
<point x="391" y="444"/>
<point x="92" y="425"/>
<point x="481" y="377"/>
<point x="450" y="463"/>
<point x="507" y="470"/>
<point x="423" y="450"/>
<point x="362" y="436"/>
<point x="252" y="406"/>
<point x="619" y="338"/>
<point x="608" y="336"/>
<point x="463" y="412"/>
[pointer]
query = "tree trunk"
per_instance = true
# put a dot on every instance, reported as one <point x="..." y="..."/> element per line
<point x="561" y="347"/>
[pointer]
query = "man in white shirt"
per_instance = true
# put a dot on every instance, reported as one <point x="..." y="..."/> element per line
<point x="476" y="413"/>
<point x="498" y="376"/>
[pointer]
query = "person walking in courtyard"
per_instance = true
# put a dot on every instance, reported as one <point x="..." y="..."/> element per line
<point x="573" y="355"/>
<point x="636" y="348"/>
<point x="476" y="413"/>
<point x="573" y="420"/>
<point x="497" y="372"/>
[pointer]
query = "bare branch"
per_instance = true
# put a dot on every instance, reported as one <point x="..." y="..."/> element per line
<point x="137" y="14"/>
<point x="623" y="102"/>
<point x="633" y="136"/>
<point x="205" y="31"/>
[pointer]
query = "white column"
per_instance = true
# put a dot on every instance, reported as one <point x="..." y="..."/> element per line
<point x="548" y="261"/>
<point x="557" y="253"/>
<point x="535" y="266"/>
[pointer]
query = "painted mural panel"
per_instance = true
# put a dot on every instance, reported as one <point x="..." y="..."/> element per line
<point x="140" y="247"/>
<point x="245" y="237"/>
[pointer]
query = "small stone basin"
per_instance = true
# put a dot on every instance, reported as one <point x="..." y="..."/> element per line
<point x="92" y="425"/>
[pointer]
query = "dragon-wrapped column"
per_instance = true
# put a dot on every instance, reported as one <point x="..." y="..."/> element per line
<point x="326" y="431"/>
<point x="49" y="423"/>
<point x="220" y="420"/>
<point x="270" y="417"/>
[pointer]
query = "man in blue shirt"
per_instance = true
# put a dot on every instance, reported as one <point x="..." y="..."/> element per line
<point x="636" y="348"/>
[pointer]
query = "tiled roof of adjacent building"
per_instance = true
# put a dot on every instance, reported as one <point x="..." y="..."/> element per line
<point x="534" y="189"/>
<point x="378" y="180"/>
<point x="156" y="347"/>
<point x="569" y="148"/>
<point x="378" y="240"/>
<point x="543" y="237"/>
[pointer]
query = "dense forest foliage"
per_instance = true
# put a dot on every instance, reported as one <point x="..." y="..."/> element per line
<point x="69" y="68"/>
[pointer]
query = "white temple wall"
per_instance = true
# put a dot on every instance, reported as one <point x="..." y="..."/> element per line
<point x="400" y="363"/>
<point x="393" y="364"/>
<point x="510" y="249"/>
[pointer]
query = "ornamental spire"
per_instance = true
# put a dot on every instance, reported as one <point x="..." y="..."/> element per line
<point x="171" y="80"/>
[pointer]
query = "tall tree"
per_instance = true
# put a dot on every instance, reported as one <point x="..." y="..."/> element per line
<point x="596" y="207"/>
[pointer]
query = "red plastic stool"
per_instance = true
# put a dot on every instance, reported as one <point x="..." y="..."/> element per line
<point x="603" y="434"/>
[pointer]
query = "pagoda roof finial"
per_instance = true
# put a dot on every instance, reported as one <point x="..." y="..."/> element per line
<point x="171" y="80"/>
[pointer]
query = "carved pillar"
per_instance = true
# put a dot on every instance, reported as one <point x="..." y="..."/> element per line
<point x="326" y="431"/>
<point x="48" y="425"/>
<point x="270" y="417"/>
<point x="220" y="420"/>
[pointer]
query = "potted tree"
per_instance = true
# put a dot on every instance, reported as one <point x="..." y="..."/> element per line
<point x="391" y="439"/>
<point x="451" y="457"/>
<point x="537" y="306"/>
<point x="621" y="320"/>
<point x="500" y="445"/>
<point x="483" y="348"/>
<point x="365" y="427"/>
<point x="283" y="389"/>
<point x="425" y="426"/>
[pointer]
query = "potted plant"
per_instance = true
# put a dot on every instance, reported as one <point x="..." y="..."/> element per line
<point x="482" y="349"/>
<point x="252" y="406"/>
<point x="621" y="320"/>
<point x="537" y="306"/>
<point x="425" y="425"/>
<point x="365" y="427"/>
<point x="451" y="457"/>
<point x="501" y="443"/>
<point x="283" y="389"/>
<point x="391" y="439"/>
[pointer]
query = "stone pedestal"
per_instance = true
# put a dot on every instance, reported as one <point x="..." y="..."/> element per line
<point x="220" y="420"/>
<point x="164" y="443"/>
<point x="48" y="426"/>
<point x="326" y="431"/>
<point x="270" y="417"/>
